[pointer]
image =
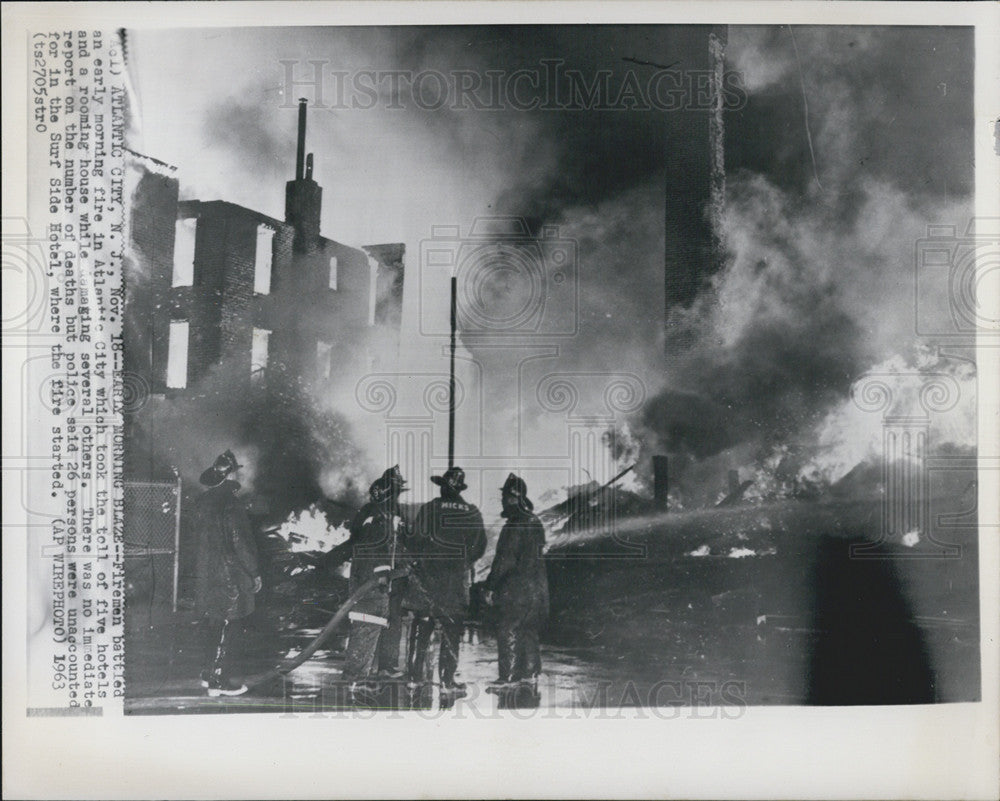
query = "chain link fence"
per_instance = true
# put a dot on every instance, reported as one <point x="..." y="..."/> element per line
<point x="152" y="524"/>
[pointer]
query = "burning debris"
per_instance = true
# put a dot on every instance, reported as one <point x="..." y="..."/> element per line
<point x="588" y="505"/>
<point x="736" y="489"/>
<point x="311" y="530"/>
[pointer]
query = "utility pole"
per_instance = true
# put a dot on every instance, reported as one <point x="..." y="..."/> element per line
<point x="451" y="375"/>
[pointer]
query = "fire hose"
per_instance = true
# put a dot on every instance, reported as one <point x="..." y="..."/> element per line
<point x="328" y="629"/>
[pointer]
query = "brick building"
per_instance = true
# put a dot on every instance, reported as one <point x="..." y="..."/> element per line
<point x="148" y="265"/>
<point x="211" y="282"/>
<point x="216" y="289"/>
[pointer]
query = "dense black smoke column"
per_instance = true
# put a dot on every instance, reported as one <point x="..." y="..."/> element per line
<point x="695" y="195"/>
<point x="717" y="41"/>
<point x="451" y="375"/>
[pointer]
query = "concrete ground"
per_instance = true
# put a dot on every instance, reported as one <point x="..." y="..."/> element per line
<point x="164" y="680"/>
<point x="782" y="605"/>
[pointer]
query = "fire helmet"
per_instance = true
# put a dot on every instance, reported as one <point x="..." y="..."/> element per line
<point x="390" y="483"/>
<point x="224" y="464"/>
<point x="453" y="479"/>
<point x="514" y="485"/>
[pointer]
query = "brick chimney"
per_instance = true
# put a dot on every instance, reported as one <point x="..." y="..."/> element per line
<point x="303" y="196"/>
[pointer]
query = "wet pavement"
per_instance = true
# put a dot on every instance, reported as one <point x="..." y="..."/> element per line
<point x="573" y="679"/>
<point x="712" y="670"/>
<point x="722" y="611"/>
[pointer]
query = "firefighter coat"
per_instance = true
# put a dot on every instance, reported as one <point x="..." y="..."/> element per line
<point x="517" y="578"/>
<point x="377" y="534"/>
<point x="448" y="538"/>
<point x="227" y="554"/>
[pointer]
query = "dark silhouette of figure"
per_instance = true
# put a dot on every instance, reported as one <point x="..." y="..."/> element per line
<point x="868" y="648"/>
<point x="227" y="573"/>
<point x="518" y="587"/>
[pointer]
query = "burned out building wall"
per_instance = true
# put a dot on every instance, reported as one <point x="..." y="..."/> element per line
<point x="387" y="309"/>
<point x="321" y="309"/>
<point x="230" y="310"/>
<point x="227" y="298"/>
<point x="147" y="267"/>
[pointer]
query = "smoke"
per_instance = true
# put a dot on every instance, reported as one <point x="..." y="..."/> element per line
<point x="818" y="277"/>
<point x="189" y="431"/>
<point x="260" y="143"/>
<point x="817" y="282"/>
<point x="293" y="449"/>
<point x="889" y="105"/>
<point x="808" y="303"/>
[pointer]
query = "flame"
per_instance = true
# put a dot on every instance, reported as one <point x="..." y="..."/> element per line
<point x="309" y="530"/>
<point x="851" y="434"/>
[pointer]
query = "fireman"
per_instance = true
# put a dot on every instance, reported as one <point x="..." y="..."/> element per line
<point x="448" y="538"/>
<point x="518" y="587"/>
<point x="227" y="573"/>
<point x="376" y="533"/>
